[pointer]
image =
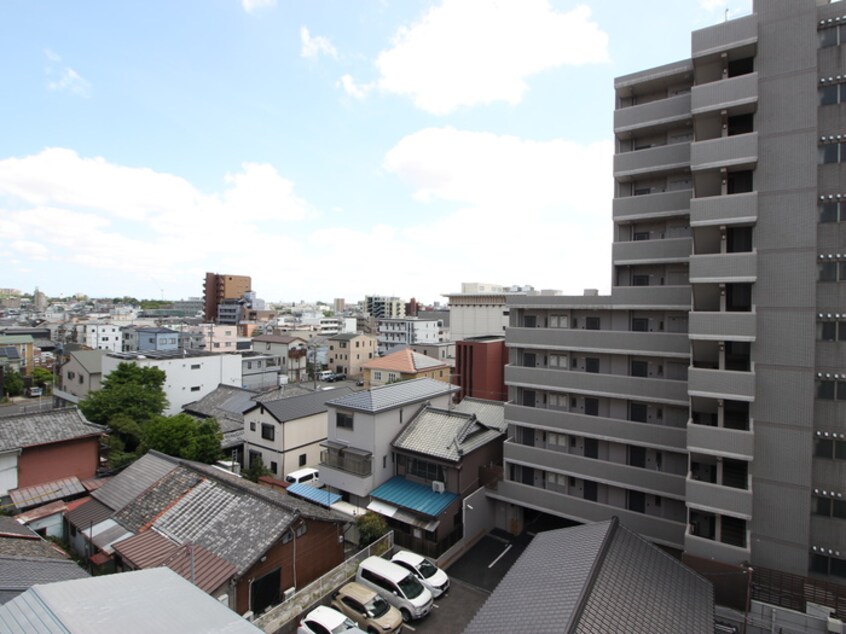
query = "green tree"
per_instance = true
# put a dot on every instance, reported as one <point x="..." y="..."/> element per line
<point x="130" y="391"/>
<point x="183" y="437"/>
<point x="256" y="470"/>
<point x="42" y="377"/>
<point x="371" y="526"/>
<point x="13" y="383"/>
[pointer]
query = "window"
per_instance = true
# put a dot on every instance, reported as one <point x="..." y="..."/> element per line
<point x="592" y="323"/>
<point x="274" y="468"/>
<point x="252" y="426"/>
<point x="302" y="460"/>
<point x="832" y="36"/>
<point x="377" y="376"/>
<point x="640" y="280"/>
<point x="426" y="470"/>
<point x="640" y="324"/>
<point x="592" y="406"/>
<point x="637" y="412"/>
<point x="344" y="420"/>
<point x="590" y="489"/>
<point x="195" y="366"/>
<point x="830" y="448"/>
<point x="831" y="271"/>
<point x="828" y="565"/>
<point x="195" y="388"/>
<point x="384" y="462"/>
<point x="639" y="368"/>
<point x="268" y="432"/>
<point x="829" y="507"/>
<point x="637" y="501"/>
<point x="592" y="365"/>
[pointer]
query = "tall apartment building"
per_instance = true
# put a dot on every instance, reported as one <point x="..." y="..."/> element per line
<point x="702" y="402"/>
<point x="380" y="307"/>
<point x="220" y="286"/>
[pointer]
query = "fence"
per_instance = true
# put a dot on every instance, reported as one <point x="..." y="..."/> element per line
<point x="282" y="618"/>
<point x="793" y="591"/>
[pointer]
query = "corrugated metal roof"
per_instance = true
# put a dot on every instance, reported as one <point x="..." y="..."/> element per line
<point x="415" y="497"/>
<point x="38" y="494"/>
<point x="124" y="488"/>
<point x="202" y="568"/>
<point x="138" y="602"/>
<point x="42" y="511"/>
<point x="104" y="539"/>
<point x="312" y="494"/>
<point x="146" y="550"/>
<point x="385" y="397"/>
<point x="92" y="484"/>
<point x="295" y="407"/>
<point x="19" y="573"/>
<point x="92" y="512"/>
<point x="10" y="526"/>
<point x="41" y="428"/>
<point x="594" y="579"/>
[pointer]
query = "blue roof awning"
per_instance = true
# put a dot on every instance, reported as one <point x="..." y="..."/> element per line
<point x="310" y="493"/>
<point x="415" y="497"/>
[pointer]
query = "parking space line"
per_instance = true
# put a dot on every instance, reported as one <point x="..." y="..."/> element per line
<point x="406" y="626"/>
<point x="501" y="555"/>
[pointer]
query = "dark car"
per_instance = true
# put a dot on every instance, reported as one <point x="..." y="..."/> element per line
<point x="336" y="377"/>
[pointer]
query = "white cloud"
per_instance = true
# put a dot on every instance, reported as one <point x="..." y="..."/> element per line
<point x="465" y="53"/>
<point x="711" y="5"/>
<point x="353" y="89"/>
<point x="64" y="78"/>
<point x="251" y="6"/>
<point x="314" y="46"/>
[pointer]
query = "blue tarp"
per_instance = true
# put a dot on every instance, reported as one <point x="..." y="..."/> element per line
<point x="318" y="496"/>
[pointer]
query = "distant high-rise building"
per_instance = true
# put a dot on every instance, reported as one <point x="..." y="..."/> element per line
<point x="39" y="301"/>
<point x="219" y="287"/>
<point x="340" y="305"/>
<point x="384" y="307"/>
<point x="703" y="402"/>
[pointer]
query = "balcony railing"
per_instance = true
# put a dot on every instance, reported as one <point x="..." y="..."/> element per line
<point x="351" y="464"/>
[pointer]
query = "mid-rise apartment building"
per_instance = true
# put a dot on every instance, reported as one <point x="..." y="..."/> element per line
<point x="380" y="307"/>
<point x="703" y="401"/>
<point x="395" y="334"/>
<point x="100" y="336"/>
<point x="222" y="286"/>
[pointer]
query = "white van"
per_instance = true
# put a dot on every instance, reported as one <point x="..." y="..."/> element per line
<point x="307" y="476"/>
<point x="325" y="374"/>
<point x="397" y="586"/>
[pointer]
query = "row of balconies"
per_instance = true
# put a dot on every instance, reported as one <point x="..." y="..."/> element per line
<point x="706" y="211"/>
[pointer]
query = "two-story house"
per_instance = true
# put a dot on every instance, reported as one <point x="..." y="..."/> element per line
<point x="403" y="365"/>
<point x="292" y="353"/>
<point x="81" y="374"/>
<point x="286" y="433"/>
<point x="357" y="452"/>
<point x="348" y="352"/>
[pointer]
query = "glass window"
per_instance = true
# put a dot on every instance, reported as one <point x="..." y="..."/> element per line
<point x="268" y="432"/>
<point x="592" y="365"/>
<point x="841" y="331"/>
<point x="825" y="390"/>
<point x="824" y="448"/>
<point x="828" y="331"/>
<point x="592" y="406"/>
<point x="640" y="368"/>
<point x="592" y="323"/>
<point x="838" y="509"/>
<point x="823" y="507"/>
<point x="640" y="324"/>
<point x="841" y="390"/>
<point x="344" y="420"/>
<point x="637" y="412"/>
<point x="828" y="153"/>
<point x="828" y="95"/>
<point x="828" y="212"/>
<point x="840" y="450"/>
<point x="828" y="37"/>
<point x="827" y="271"/>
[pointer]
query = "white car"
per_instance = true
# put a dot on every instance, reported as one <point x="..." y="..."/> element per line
<point x="323" y="620"/>
<point x="433" y="578"/>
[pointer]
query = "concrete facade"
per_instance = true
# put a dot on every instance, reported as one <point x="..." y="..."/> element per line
<point x="348" y="352"/>
<point x="701" y="402"/>
<point x="221" y="286"/>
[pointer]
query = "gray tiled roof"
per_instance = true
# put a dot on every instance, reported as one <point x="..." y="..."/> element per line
<point x="294" y="407"/>
<point x="225" y="401"/>
<point x="283" y="391"/>
<point x="445" y="434"/>
<point x="17" y="573"/>
<point x="40" y="428"/>
<point x="385" y="397"/>
<point x="491" y="413"/>
<point x="10" y="526"/>
<point x="132" y="481"/>
<point x="151" y="503"/>
<point x="594" y="579"/>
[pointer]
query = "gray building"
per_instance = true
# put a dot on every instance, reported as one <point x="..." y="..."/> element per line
<point x="702" y="401"/>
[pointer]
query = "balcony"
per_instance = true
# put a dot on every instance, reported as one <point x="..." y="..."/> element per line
<point x="613" y="429"/>
<point x="357" y="465"/>
<point x="720" y="440"/>
<point x="727" y="151"/>
<point x="724" y="384"/>
<point x="610" y="341"/>
<point x="665" y="158"/>
<point x="718" y="551"/>
<point x="651" y="251"/>
<point x="601" y="385"/>
<point x="615" y="474"/>
<point x="653" y="297"/>
<point x="726" y="93"/>
<point x="724" y="210"/>
<point x="723" y="268"/>
<point x="725" y="36"/>
<point x="650" y="206"/>
<point x="654" y="113"/>
<point x="719" y="499"/>
<point x="720" y="326"/>
<point x="656" y="529"/>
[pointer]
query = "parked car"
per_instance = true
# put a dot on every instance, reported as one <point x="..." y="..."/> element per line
<point x="338" y="376"/>
<point x="34" y="391"/>
<point x="367" y="608"/>
<point x="397" y="586"/>
<point x="309" y="476"/>
<point x="323" y="620"/>
<point x="325" y="374"/>
<point x="433" y="578"/>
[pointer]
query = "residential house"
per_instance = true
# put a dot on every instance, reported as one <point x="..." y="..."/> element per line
<point x="438" y="458"/>
<point x="80" y="375"/>
<point x="191" y="374"/>
<point x="286" y="434"/>
<point x="100" y="336"/>
<point x="357" y="452"/>
<point x="400" y="332"/>
<point x="17" y="352"/>
<point x="259" y="371"/>
<point x="349" y="351"/>
<point x="157" y="600"/>
<point x="442" y="351"/>
<point x="26" y="559"/>
<point x="145" y="339"/>
<point x="242" y="538"/>
<point x="480" y="367"/>
<point x="597" y="577"/>
<point x="47" y="446"/>
<point x="226" y="404"/>
<point x="292" y="353"/>
<point x="401" y="366"/>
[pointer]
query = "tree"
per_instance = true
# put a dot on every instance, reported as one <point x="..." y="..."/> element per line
<point x="371" y="526"/>
<point x="183" y="437"/>
<point x="13" y="383"/>
<point x="42" y="377"/>
<point x="256" y="469"/>
<point x="130" y="391"/>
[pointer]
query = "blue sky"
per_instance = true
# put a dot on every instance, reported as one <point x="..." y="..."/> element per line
<point x="327" y="149"/>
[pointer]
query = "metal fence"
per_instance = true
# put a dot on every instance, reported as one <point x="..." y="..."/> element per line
<point x="282" y="618"/>
<point x="793" y="591"/>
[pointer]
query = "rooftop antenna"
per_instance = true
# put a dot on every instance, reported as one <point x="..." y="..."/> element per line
<point x="727" y="15"/>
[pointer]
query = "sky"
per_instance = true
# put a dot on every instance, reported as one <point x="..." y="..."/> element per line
<point x="330" y="149"/>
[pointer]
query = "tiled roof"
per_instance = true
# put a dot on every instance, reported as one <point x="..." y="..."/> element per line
<point x="21" y="541"/>
<point x="283" y="391"/>
<point x="18" y="573"/>
<point x="277" y="339"/>
<point x="15" y="340"/>
<point x="594" y="579"/>
<point x="491" y="413"/>
<point x="406" y="361"/>
<point x="41" y="428"/>
<point x="385" y="397"/>
<point x="413" y="496"/>
<point x="445" y="434"/>
<point x="152" y="502"/>
<point x="294" y="407"/>
<point x="11" y="527"/>
<point x="129" y="483"/>
<point x="35" y="495"/>
<point x="225" y="401"/>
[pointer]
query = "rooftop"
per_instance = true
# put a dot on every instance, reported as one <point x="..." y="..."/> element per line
<point x="347" y="336"/>
<point x="405" y="361"/>
<point x="387" y="397"/>
<point x="278" y="339"/>
<point x="91" y="360"/>
<point x="160" y="355"/>
<point x="413" y="496"/>
<point x="42" y="428"/>
<point x="15" y="340"/>
<point x="295" y="407"/>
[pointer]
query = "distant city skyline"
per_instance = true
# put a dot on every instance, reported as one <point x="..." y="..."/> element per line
<point x="374" y="148"/>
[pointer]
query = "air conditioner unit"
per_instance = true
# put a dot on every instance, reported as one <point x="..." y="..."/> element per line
<point x="288" y="593"/>
<point x="438" y="487"/>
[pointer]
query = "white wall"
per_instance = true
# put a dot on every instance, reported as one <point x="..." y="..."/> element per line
<point x="8" y="472"/>
<point x="477" y="321"/>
